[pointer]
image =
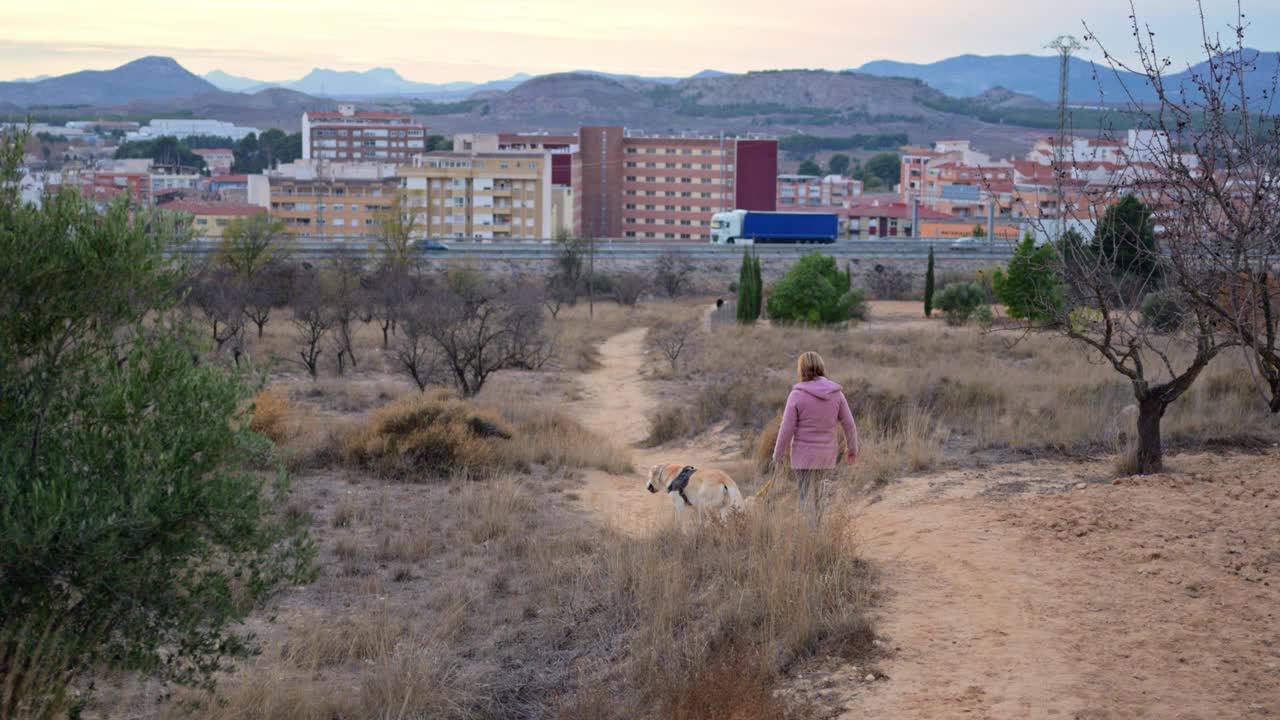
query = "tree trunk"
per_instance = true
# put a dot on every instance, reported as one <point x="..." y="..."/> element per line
<point x="1150" y="454"/>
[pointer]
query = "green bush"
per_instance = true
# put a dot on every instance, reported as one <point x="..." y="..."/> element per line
<point x="958" y="302"/>
<point x="137" y="527"/>
<point x="814" y="292"/>
<point x="1164" y="310"/>
<point x="984" y="317"/>
<point x="1031" y="290"/>
<point x="928" y="286"/>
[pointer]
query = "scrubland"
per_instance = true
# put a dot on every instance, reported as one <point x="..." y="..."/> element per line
<point x="460" y="577"/>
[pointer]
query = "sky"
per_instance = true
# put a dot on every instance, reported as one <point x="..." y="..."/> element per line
<point x="477" y="40"/>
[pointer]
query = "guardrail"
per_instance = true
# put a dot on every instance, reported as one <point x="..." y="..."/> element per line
<point x="872" y="249"/>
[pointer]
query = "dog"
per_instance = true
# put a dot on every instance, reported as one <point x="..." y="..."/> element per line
<point x="705" y="491"/>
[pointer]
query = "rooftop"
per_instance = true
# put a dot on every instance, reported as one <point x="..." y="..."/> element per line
<point x="195" y="207"/>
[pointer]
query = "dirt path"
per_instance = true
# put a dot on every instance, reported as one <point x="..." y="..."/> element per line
<point x="616" y="405"/>
<point x="966" y="619"/>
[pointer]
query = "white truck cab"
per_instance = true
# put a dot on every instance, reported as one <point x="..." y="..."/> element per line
<point x="726" y="227"/>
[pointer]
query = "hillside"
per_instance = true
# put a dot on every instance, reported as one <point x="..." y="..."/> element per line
<point x="821" y="103"/>
<point x="145" y="78"/>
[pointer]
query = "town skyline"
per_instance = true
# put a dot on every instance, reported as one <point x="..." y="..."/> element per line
<point x="501" y="38"/>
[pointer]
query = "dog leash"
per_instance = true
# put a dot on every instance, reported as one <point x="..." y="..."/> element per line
<point x="767" y="486"/>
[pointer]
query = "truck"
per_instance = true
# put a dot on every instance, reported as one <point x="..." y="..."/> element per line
<point x="748" y="227"/>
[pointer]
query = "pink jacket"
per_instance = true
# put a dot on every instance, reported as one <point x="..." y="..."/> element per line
<point x="808" y="429"/>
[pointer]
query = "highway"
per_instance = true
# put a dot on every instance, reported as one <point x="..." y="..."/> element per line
<point x="905" y="248"/>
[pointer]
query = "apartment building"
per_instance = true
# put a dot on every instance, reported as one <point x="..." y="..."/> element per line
<point x="561" y="147"/>
<point x="351" y="136"/>
<point x="317" y="199"/>
<point x="496" y="195"/>
<point x="816" y="193"/>
<point x="630" y="185"/>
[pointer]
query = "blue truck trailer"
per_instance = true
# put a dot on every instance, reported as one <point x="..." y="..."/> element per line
<point x="750" y="227"/>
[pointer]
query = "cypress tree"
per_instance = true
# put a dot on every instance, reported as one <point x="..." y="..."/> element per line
<point x="928" y="286"/>
<point x="758" y="291"/>
<point x="744" y="290"/>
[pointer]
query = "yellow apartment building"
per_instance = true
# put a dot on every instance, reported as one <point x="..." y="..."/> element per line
<point x="480" y="195"/>
<point x="323" y="200"/>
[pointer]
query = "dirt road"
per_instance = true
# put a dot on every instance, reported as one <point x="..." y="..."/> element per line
<point x="1036" y="589"/>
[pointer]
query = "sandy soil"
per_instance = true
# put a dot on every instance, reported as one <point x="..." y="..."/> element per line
<point x="1035" y="589"/>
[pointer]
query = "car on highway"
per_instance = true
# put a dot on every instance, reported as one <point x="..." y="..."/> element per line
<point x="968" y="243"/>
<point x="431" y="246"/>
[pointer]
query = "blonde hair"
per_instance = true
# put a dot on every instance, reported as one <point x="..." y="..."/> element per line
<point x="810" y="366"/>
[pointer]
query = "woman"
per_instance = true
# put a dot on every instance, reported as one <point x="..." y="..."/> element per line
<point x="814" y="409"/>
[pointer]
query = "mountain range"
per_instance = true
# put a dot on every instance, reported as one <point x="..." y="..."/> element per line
<point x="965" y="76"/>
<point x="1037" y="76"/>
<point x="386" y="82"/>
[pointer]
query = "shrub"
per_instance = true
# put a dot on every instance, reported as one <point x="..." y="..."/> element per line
<point x="958" y="301"/>
<point x="272" y="412"/>
<point x="628" y="288"/>
<point x="814" y="292"/>
<point x="984" y="317"/>
<point x="1030" y="290"/>
<point x="1164" y="310"/>
<point x="433" y="434"/>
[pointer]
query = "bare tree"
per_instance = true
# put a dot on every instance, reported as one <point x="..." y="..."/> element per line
<point x="567" y="280"/>
<point x="1214" y="159"/>
<point x="251" y="244"/>
<point x="267" y="290"/>
<point x="674" y="340"/>
<point x="672" y="272"/>
<point x="346" y="299"/>
<point x="219" y="297"/>
<point x="416" y="351"/>
<point x="386" y="293"/>
<point x="312" y="320"/>
<point x="1193" y="210"/>
<point x="480" y="327"/>
<point x="628" y="288"/>
<point x="397" y="226"/>
<point x="556" y="294"/>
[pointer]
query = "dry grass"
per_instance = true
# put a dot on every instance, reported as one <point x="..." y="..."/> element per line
<point x="510" y="606"/>
<point x="755" y="595"/>
<point x="548" y="437"/>
<point x="273" y="415"/>
<point x="578" y="336"/>
<point x="916" y="387"/>
<point x="429" y="435"/>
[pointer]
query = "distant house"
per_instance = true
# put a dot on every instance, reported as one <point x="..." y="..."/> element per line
<point x="210" y="220"/>
<point x="217" y="160"/>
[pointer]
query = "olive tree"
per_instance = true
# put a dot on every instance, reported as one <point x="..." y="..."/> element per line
<point x="136" y="531"/>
